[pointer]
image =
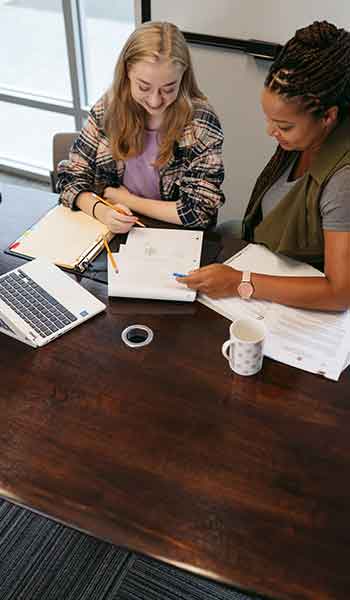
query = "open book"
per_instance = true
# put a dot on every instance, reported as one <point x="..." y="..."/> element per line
<point x="315" y="341"/>
<point x="148" y="261"/>
<point x="70" y="239"/>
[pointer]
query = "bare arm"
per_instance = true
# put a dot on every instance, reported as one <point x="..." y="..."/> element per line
<point x="157" y="209"/>
<point x="116" y="222"/>
<point x="331" y="292"/>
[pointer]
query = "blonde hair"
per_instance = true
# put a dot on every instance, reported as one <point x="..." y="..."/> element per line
<point x="125" y="119"/>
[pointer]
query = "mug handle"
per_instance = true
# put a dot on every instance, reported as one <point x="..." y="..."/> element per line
<point x="225" y="347"/>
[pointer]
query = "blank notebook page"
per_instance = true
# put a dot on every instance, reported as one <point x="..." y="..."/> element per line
<point x="62" y="236"/>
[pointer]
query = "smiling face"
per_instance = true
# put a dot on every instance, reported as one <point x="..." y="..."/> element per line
<point x="155" y="86"/>
<point x="291" y="126"/>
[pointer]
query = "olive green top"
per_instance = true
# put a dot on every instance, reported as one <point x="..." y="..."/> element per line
<point x="294" y="226"/>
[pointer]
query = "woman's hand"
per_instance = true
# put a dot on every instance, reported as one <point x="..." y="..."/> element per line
<point x="119" y="194"/>
<point x="217" y="281"/>
<point x="117" y="222"/>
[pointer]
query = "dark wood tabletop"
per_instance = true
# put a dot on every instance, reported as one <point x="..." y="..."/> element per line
<point x="164" y="450"/>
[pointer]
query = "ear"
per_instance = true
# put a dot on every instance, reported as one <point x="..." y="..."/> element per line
<point x="330" y="117"/>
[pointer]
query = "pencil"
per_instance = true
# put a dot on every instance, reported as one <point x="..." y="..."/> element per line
<point x="117" y="209"/>
<point x="110" y="256"/>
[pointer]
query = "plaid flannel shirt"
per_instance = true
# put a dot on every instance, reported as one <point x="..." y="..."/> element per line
<point x="192" y="178"/>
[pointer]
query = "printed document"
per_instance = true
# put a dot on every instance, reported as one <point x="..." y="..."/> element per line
<point x="316" y="341"/>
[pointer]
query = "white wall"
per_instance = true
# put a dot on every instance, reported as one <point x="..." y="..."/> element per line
<point x="233" y="82"/>
<point x="269" y="20"/>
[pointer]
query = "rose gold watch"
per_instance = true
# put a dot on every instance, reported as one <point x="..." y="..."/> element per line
<point x="246" y="289"/>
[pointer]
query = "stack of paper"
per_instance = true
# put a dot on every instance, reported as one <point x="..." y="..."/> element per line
<point x="148" y="261"/>
<point x="315" y="341"/>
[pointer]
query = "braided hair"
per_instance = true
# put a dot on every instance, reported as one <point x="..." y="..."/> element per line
<point x="312" y="69"/>
<point x="314" y="66"/>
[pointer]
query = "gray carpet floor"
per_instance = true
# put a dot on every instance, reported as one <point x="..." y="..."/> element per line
<point x="44" y="560"/>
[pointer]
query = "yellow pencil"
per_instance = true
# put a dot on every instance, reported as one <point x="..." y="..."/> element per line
<point x="117" y="209"/>
<point x="110" y="255"/>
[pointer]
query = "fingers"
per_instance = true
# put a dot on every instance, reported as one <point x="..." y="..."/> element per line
<point x="193" y="280"/>
<point x="119" y="217"/>
<point x="120" y="221"/>
<point x="121" y="227"/>
<point x="124" y="209"/>
<point x="198" y="275"/>
<point x="214" y="280"/>
<point x="205" y="269"/>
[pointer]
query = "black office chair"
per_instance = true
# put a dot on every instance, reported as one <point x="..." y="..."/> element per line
<point x="62" y="143"/>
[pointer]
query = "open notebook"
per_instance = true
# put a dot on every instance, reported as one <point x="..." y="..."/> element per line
<point x="148" y="261"/>
<point x="67" y="238"/>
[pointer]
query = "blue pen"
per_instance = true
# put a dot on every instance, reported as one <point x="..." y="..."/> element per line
<point x="179" y="274"/>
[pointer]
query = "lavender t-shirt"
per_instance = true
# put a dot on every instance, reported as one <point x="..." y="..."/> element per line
<point x="141" y="177"/>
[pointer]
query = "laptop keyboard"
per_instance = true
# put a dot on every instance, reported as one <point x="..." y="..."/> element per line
<point x="33" y="304"/>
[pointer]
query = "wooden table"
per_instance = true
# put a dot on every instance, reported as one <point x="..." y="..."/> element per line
<point x="165" y="451"/>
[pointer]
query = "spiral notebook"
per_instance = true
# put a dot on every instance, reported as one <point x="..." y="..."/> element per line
<point x="67" y="238"/>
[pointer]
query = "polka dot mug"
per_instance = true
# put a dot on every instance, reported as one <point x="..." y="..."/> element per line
<point x="245" y="348"/>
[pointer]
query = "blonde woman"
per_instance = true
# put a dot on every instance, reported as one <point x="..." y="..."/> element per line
<point x="152" y="144"/>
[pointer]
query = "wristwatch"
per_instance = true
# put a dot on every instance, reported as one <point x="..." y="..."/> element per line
<point x="245" y="289"/>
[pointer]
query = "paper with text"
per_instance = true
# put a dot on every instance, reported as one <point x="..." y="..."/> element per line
<point x="316" y="341"/>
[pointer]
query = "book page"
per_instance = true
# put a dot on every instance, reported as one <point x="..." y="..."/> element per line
<point x="62" y="236"/>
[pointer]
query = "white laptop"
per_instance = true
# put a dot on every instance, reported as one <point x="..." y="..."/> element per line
<point x="38" y="303"/>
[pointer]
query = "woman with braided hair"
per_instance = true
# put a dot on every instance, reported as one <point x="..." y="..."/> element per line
<point x="300" y="205"/>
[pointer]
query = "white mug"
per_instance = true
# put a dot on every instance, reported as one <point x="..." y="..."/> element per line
<point x="245" y="348"/>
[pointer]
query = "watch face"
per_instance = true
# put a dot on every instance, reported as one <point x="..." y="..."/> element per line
<point x="245" y="290"/>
